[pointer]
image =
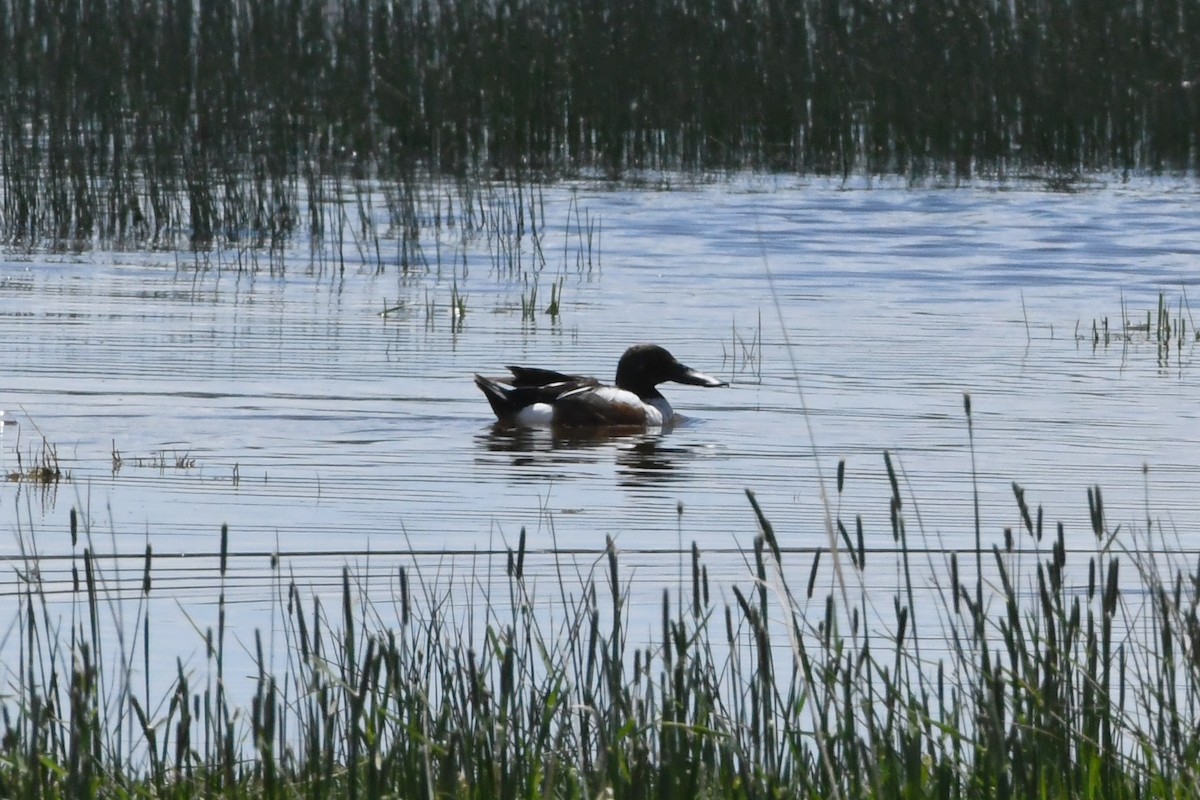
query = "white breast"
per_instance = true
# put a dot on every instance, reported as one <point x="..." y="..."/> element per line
<point x="660" y="406"/>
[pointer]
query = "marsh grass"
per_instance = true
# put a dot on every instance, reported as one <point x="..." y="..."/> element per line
<point x="135" y="124"/>
<point x="529" y="304"/>
<point x="554" y="310"/>
<point x="40" y="466"/>
<point x="160" y="460"/>
<point x="1026" y="675"/>
<point x="1169" y="327"/>
<point x="458" y="307"/>
<point x="744" y="353"/>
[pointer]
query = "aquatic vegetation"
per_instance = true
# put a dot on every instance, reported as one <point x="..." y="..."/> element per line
<point x="229" y="121"/>
<point x="1168" y="331"/>
<point x="743" y="356"/>
<point x="40" y="466"/>
<point x="1017" y="679"/>
<point x="529" y="305"/>
<point x="458" y="306"/>
<point x="556" y="293"/>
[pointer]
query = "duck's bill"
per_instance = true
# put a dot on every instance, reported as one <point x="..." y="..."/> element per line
<point x="694" y="378"/>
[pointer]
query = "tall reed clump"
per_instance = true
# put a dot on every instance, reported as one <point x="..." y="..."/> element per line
<point x="1000" y="687"/>
<point x="135" y="123"/>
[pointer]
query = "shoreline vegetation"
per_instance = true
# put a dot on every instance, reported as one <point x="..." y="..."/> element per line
<point x="1025" y="674"/>
<point x="157" y="123"/>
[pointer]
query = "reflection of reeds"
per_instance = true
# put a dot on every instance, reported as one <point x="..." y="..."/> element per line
<point x="131" y="122"/>
<point x="1024" y="679"/>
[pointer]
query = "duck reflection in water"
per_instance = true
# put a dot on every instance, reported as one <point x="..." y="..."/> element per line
<point x="641" y="456"/>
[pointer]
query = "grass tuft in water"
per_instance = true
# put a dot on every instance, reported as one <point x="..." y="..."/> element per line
<point x="556" y="293"/>
<point x="1169" y="330"/>
<point x="529" y="301"/>
<point x="39" y="467"/>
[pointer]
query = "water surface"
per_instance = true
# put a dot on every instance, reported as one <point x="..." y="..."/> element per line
<point x="181" y="394"/>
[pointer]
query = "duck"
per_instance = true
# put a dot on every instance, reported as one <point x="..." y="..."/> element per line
<point x="535" y="397"/>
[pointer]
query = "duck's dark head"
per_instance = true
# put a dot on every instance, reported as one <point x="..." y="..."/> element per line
<point x="644" y="366"/>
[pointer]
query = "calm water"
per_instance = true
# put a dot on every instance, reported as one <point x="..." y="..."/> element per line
<point x="317" y="428"/>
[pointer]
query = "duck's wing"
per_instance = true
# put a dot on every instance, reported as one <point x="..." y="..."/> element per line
<point x="538" y="385"/>
<point x="535" y="376"/>
<point x="600" y="406"/>
<point x="508" y="397"/>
